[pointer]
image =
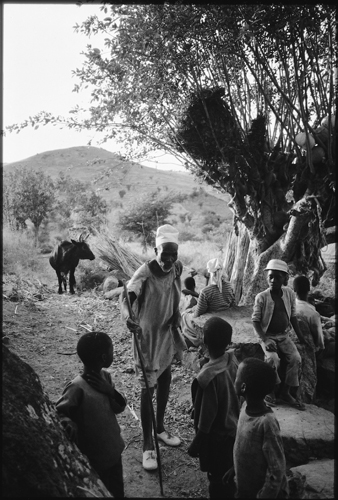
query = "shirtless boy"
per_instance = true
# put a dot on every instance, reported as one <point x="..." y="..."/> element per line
<point x="274" y="310"/>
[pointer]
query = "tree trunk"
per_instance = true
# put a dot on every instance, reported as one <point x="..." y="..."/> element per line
<point x="254" y="279"/>
<point x="242" y="248"/>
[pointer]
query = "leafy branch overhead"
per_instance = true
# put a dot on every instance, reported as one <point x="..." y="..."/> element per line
<point x="243" y="94"/>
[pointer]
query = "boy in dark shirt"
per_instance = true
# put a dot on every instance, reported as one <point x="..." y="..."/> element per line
<point x="259" y="460"/>
<point x="216" y="408"/>
<point x="189" y="292"/>
<point x="87" y="409"/>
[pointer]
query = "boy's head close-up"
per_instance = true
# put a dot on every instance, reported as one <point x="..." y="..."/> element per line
<point x="189" y="283"/>
<point x="93" y="347"/>
<point x="255" y="378"/>
<point x="217" y="333"/>
<point x="301" y="285"/>
<point x="276" y="274"/>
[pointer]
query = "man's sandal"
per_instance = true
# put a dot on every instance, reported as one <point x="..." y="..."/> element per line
<point x="149" y="460"/>
<point x="299" y="405"/>
<point x="168" y="439"/>
<point x="269" y="400"/>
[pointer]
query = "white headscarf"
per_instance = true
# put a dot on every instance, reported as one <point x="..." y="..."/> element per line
<point x="166" y="234"/>
<point x="215" y="269"/>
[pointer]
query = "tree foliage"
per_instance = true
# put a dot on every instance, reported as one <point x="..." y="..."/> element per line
<point x="28" y="194"/>
<point x="227" y="89"/>
<point x="145" y="215"/>
<point x="78" y="205"/>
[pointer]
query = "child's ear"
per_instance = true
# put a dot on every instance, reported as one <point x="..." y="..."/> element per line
<point x="243" y="388"/>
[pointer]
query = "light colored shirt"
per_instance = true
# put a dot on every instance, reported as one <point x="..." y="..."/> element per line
<point x="259" y="460"/>
<point x="307" y="313"/>
<point x="212" y="300"/>
<point x="156" y="309"/>
<point x="99" y="434"/>
<point x="264" y="306"/>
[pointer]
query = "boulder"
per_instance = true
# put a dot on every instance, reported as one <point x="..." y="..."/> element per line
<point x="239" y="318"/>
<point x="38" y="460"/>
<point x="110" y="283"/>
<point x="246" y="343"/>
<point x="306" y="434"/>
<point x="113" y="293"/>
<point x="312" y="480"/>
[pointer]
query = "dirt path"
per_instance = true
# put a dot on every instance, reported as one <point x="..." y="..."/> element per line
<point x="39" y="327"/>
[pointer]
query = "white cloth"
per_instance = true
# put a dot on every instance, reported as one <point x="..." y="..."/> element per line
<point x="166" y="234"/>
<point x="215" y="269"/>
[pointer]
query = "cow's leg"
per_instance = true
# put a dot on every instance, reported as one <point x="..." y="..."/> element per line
<point x="60" y="281"/>
<point x="71" y="281"/>
<point x="64" y="281"/>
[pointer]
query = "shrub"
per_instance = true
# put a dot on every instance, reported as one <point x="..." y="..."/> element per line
<point x="19" y="253"/>
<point x="198" y="257"/>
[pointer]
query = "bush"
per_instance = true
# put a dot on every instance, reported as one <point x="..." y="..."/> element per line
<point x="19" y="253"/>
<point x="197" y="257"/>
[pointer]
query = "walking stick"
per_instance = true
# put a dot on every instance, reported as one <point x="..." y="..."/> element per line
<point x="148" y="389"/>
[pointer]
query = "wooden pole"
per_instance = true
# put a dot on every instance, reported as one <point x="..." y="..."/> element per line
<point x="148" y="389"/>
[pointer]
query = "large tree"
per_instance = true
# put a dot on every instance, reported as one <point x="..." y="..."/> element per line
<point x="239" y="93"/>
<point x="28" y="194"/>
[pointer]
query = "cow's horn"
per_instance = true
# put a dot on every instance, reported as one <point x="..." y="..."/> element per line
<point x="81" y="236"/>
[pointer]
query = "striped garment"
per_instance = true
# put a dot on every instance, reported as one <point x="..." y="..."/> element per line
<point x="212" y="300"/>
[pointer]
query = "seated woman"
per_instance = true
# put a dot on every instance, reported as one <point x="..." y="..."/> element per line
<point x="216" y="296"/>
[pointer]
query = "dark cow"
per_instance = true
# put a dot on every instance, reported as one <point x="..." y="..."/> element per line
<point x="66" y="257"/>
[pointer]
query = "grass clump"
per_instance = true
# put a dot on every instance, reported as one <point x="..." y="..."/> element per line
<point x="20" y="255"/>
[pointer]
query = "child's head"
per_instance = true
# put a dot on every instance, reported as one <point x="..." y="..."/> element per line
<point x="217" y="334"/>
<point x="301" y="285"/>
<point x="255" y="378"/>
<point x="277" y="273"/>
<point x="189" y="283"/>
<point x="95" y="348"/>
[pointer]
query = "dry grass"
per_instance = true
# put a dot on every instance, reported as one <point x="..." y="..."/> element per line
<point x="117" y="255"/>
<point x="190" y="253"/>
<point x="20" y="256"/>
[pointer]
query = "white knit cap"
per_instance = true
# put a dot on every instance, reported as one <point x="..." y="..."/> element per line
<point x="166" y="234"/>
<point x="277" y="265"/>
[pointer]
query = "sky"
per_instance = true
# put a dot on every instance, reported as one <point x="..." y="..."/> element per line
<point x="40" y="50"/>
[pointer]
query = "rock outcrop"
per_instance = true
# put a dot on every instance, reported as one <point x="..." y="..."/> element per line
<point x="38" y="460"/>
<point x="246" y="344"/>
<point x="308" y="436"/>
<point x="313" y="480"/>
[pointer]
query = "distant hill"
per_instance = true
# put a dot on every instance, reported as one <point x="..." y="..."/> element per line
<point x="120" y="181"/>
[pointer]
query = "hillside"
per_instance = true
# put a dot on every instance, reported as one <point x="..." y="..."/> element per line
<point x="121" y="182"/>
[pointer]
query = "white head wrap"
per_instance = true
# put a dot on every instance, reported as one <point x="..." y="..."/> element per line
<point x="215" y="269"/>
<point x="166" y="234"/>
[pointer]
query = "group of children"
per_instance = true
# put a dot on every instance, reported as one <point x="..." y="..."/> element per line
<point x="237" y="436"/>
<point x="228" y="442"/>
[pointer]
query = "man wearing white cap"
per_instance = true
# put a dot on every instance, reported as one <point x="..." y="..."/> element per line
<point x="273" y="311"/>
<point x="155" y="291"/>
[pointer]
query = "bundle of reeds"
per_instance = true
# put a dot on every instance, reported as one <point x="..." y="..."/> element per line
<point x="118" y="257"/>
